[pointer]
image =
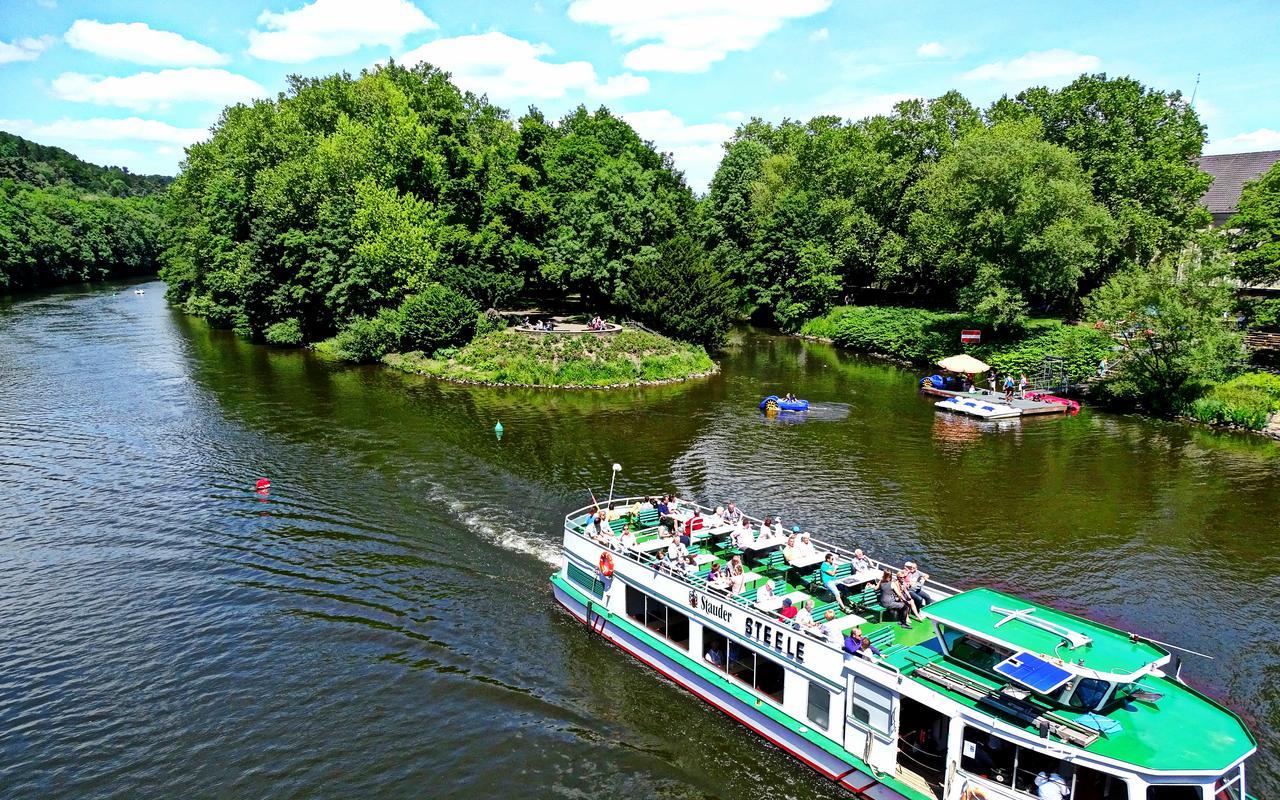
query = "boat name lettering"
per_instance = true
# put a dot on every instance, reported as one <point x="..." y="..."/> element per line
<point x="716" y="610"/>
<point x="780" y="640"/>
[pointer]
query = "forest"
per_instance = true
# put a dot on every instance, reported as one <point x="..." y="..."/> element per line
<point x="64" y="220"/>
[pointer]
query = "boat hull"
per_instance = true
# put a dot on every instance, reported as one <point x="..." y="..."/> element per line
<point x="978" y="408"/>
<point x="840" y="772"/>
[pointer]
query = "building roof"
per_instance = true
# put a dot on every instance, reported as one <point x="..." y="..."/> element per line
<point x="1041" y="630"/>
<point x="1230" y="173"/>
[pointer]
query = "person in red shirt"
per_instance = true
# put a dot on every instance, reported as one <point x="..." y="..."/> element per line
<point x="788" y="611"/>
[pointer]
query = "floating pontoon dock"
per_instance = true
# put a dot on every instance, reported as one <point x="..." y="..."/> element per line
<point x="1027" y="407"/>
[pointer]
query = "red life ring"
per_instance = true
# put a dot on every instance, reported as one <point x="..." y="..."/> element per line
<point x="606" y="564"/>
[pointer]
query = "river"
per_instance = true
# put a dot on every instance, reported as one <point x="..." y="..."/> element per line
<point x="382" y="623"/>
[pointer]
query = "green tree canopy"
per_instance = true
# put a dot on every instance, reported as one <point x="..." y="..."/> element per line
<point x="1255" y="237"/>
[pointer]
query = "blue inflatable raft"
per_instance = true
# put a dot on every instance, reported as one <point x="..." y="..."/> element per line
<point x="783" y="405"/>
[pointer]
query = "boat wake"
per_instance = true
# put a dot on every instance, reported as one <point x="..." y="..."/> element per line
<point x="818" y="412"/>
<point x="489" y="525"/>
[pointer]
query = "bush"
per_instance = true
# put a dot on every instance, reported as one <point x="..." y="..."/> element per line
<point x="435" y="317"/>
<point x="1246" y="401"/>
<point x="1261" y="312"/>
<point x="368" y="339"/>
<point x="676" y="289"/>
<point x="489" y="321"/>
<point x="287" y="333"/>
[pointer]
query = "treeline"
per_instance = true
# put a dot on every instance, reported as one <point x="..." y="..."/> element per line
<point x="1025" y="206"/>
<point x="64" y="220"/>
<point x="392" y="208"/>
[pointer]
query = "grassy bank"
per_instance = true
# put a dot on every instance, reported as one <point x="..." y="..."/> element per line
<point x="508" y="357"/>
<point x="922" y="337"/>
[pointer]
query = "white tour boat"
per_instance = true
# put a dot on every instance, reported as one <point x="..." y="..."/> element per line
<point x="990" y="696"/>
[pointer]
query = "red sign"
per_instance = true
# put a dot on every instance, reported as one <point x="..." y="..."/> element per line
<point x="970" y="337"/>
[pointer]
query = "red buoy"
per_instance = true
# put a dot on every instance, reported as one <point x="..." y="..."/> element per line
<point x="263" y="485"/>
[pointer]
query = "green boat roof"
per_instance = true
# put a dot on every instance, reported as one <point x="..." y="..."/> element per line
<point x="1041" y="630"/>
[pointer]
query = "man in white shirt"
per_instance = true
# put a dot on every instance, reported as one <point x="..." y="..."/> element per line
<point x="860" y="562"/>
<point x="744" y="537"/>
<point x="804" y="551"/>
<point x="1051" y="787"/>
<point x="731" y="514"/>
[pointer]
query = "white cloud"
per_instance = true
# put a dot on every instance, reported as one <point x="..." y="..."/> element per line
<point x="931" y="50"/>
<point x="820" y="35"/>
<point x="689" y="35"/>
<point x="505" y="67"/>
<point x="696" y="148"/>
<point x="27" y="49"/>
<point x="100" y="129"/>
<point x="1036" y="66"/>
<point x="1249" y="142"/>
<point x="140" y="43"/>
<point x="334" y="28"/>
<point x="161" y="89"/>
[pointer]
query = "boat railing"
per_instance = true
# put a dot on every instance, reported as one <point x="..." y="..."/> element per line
<point x="574" y="525"/>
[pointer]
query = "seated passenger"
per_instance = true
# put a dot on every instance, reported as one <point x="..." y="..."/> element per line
<point x="744" y="537"/>
<point x="804" y="551"/>
<point x="765" y="593"/>
<point x="737" y="575"/>
<point x="804" y="614"/>
<point x="628" y="539"/>
<point x="714" y="656"/>
<point x="766" y="528"/>
<point x="829" y="579"/>
<point x="788" y="611"/>
<point x="731" y="514"/>
<point x="789" y="549"/>
<point x="915" y="584"/>
<point x="858" y="645"/>
<point x="826" y="629"/>
<point x="663" y="508"/>
<point x="676" y="551"/>
<point x="890" y="597"/>
<point x="777" y="527"/>
<point x="690" y="566"/>
<point x="859" y="562"/>
<point x="902" y="582"/>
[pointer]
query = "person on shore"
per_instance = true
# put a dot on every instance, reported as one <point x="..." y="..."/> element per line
<point x="1008" y="388"/>
<point x="890" y="596"/>
<point x="1022" y="385"/>
<point x="993" y="380"/>
<point x="1102" y="368"/>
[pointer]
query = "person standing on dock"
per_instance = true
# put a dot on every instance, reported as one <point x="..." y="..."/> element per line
<point x="1022" y="385"/>
<point x="1008" y="388"/>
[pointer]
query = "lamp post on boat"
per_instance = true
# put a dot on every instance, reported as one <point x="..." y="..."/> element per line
<point x="616" y="469"/>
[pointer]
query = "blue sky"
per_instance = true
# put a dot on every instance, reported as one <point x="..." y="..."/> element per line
<point x="131" y="83"/>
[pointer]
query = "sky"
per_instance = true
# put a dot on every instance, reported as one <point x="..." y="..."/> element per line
<point x="132" y="83"/>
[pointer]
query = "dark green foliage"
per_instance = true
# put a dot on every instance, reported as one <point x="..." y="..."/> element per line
<point x="46" y="167"/>
<point x="675" y="288"/>
<point x="1246" y="401"/>
<point x="1171" y="319"/>
<point x="367" y="339"/>
<point x="287" y="333"/>
<point x="57" y="235"/>
<point x="1256" y="230"/>
<point x="435" y="317"/>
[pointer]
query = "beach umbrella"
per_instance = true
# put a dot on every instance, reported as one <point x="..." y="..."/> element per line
<point x="963" y="363"/>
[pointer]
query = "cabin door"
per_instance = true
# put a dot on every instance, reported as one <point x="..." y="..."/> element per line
<point x="871" y="722"/>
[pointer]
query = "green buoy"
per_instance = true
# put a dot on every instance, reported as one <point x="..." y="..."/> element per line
<point x="497" y="431"/>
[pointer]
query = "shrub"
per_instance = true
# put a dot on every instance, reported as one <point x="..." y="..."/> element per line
<point x="1247" y="401"/>
<point x="676" y="289"/>
<point x="435" y="317"/>
<point x="489" y="321"/>
<point x="366" y="339"/>
<point x="288" y="333"/>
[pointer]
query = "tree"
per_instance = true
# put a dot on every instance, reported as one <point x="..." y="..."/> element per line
<point x="1139" y="147"/>
<point x="1006" y="221"/>
<point x="675" y="287"/>
<point x="1170" y="318"/>
<point x="1255" y="230"/>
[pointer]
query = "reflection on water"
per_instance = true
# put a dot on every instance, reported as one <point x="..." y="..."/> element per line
<point x="381" y="623"/>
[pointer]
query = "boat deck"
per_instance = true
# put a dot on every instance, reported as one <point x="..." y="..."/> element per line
<point x="1028" y="407"/>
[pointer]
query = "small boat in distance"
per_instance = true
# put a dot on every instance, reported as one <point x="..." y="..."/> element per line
<point x="988" y="697"/>
<point x="139" y="291"/>
<point x="775" y="403"/>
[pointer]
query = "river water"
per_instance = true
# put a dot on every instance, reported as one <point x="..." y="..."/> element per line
<point x="382" y="624"/>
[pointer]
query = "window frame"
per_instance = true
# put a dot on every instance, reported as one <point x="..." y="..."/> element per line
<point x="825" y="721"/>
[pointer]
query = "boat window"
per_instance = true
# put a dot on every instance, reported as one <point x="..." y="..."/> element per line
<point x="819" y="711"/>
<point x="713" y="648"/>
<point x="1027" y="769"/>
<point x="978" y="653"/>
<point x="658" y="617"/>
<point x="872" y="705"/>
<point x="1174" y="793"/>
<point x="742" y="663"/>
<point x="770" y="677"/>
<point x="1089" y="693"/>
<point x="760" y="673"/>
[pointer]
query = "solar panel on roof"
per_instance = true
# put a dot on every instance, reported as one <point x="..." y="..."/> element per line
<point x="1033" y="672"/>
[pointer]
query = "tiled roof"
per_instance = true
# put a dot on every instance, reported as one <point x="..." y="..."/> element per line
<point x="1230" y="173"/>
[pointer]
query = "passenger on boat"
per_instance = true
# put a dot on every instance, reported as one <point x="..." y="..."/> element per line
<point x="858" y="645"/>
<point x="676" y="552"/>
<point x="628" y="539"/>
<point x="690" y="566"/>
<point x="745" y="536"/>
<point x="915" y="584"/>
<point x="737" y="575"/>
<point x="777" y="527"/>
<point x="900" y="580"/>
<point x="766" y="528"/>
<point x="789" y="549"/>
<point x="714" y="656"/>
<point x="790" y="398"/>
<point x="685" y="538"/>
<point x="613" y="513"/>
<point x="717" y="578"/>
<point x="765" y="592"/>
<point x="693" y="523"/>
<point x="826" y="630"/>
<point x="829" y="577"/>
<point x="731" y="514"/>
<point x="890" y="596"/>
<point x="859" y="562"/>
<point x="788" y="611"/>
<point x="804" y="614"/>
<point x="661" y="505"/>
<point x="1051" y="787"/>
<point x="804" y="551"/>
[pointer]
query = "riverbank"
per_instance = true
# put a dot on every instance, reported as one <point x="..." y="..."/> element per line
<point x="510" y="358"/>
